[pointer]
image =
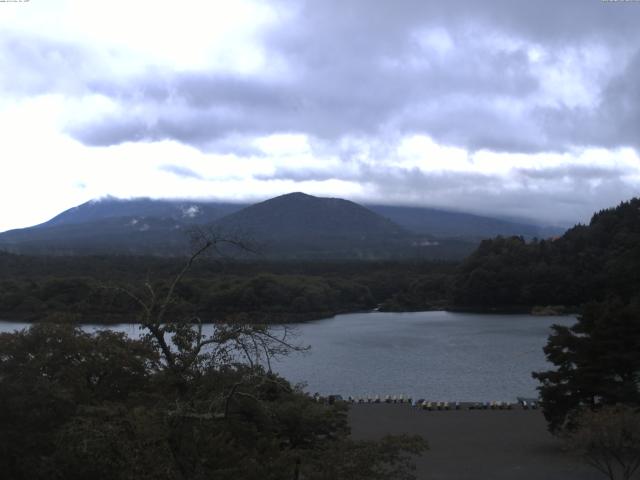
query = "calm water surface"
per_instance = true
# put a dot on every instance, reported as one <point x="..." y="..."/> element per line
<point x="435" y="355"/>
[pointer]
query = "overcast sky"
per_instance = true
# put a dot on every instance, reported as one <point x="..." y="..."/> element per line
<point x="508" y="107"/>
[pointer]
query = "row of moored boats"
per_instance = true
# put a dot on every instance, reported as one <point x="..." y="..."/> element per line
<point x="423" y="404"/>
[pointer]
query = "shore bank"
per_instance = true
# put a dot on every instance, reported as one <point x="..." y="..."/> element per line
<point x="475" y="444"/>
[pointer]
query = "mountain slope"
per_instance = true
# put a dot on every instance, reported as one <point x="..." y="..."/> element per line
<point x="297" y="225"/>
<point x="137" y="226"/>
<point x="589" y="262"/>
<point x="178" y="210"/>
<point x="301" y="216"/>
<point x="290" y="225"/>
<point x="294" y="225"/>
<point x="116" y="235"/>
<point x="447" y="224"/>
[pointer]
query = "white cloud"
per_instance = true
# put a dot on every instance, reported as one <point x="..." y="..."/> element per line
<point x="493" y="109"/>
<point x="134" y="35"/>
<point x="420" y="151"/>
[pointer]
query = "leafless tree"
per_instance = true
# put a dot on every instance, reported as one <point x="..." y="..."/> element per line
<point x="182" y="344"/>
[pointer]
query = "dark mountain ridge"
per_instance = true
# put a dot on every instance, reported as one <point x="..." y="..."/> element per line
<point x="295" y="225"/>
<point x="446" y="223"/>
<point x="178" y="210"/>
<point x="115" y="226"/>
<point x="298" y="225"/>
<point x="298" y="215"/>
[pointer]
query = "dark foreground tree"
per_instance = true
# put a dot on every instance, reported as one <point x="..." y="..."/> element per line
<point x="597" y="363"/>
<point x="176" y="404"/>
<point x="47" y="374"/>
<point x="609" y="440"/>
<point x="102" y="406"/>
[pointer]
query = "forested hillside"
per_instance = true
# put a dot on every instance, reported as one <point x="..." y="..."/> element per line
<point x="589" y="262"/>
<point x="91" y="288"/>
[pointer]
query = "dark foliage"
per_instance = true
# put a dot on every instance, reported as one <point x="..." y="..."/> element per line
<point x="35" y="287"/>
<point x="587" y="263"/>
<point x="609" y="440"/>
<point x="597" y="363"/>
<point x="77" y="406"/>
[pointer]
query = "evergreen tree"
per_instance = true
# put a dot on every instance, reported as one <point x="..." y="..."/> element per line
<point x="597" y="363"/>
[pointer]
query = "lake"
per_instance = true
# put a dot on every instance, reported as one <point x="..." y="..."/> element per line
<point x="436" y="355"/>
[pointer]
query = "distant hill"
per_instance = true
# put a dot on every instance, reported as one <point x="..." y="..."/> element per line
<point x="182" y="211"/>
<point x="295" y="225"/>
<point x="301" y="216"/>
<point x="588" y="262"/>
<point x="448" y="224"/>
<point x="138" y="226"/>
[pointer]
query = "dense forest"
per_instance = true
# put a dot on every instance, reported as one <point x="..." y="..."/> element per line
<point x="94" y="288"/>
<point x="589" y="262"/>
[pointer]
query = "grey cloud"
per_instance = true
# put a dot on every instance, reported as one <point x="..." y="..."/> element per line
<point x="574" y="172"/>
<point x="543" y="20"/>
<point x="198" y="128"/>
<point x="234" y="144"/>
<point x="613" y="123"/>
<point x="415" y="182"/>
<point x="35" y="65"/>
<point x="341" y="84"/>
<point x="357" y="68"/>
<point x="311" y="175"/>
<point x="476" y="126"/>
<point x="297" y="175"/>
<point x="566" y="202"/>
<point x="459" y="110"/>
<point x="365" y="173"/>
<point x="181" y="171"/>
<point x="207" y="110"/>
<point x="200" y="108"/>
<point x="619" y="119"/>
<point x="568" y="195"/>
<point x="106" y="132"/>
<point x="200" y="90"/>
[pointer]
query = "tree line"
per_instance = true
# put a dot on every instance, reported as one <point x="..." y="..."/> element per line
<point x="91" y="288"/>
<point x="588" y="263"/>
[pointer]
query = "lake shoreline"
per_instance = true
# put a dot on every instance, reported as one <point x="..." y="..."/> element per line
<point x="286" y="318"/>
<point x="239" y="317"/>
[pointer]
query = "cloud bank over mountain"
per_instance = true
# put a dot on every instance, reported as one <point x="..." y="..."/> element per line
<point x="510" y="107"/>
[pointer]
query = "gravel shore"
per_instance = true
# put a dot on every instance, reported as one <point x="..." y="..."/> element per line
<point x="475" y="444"/>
